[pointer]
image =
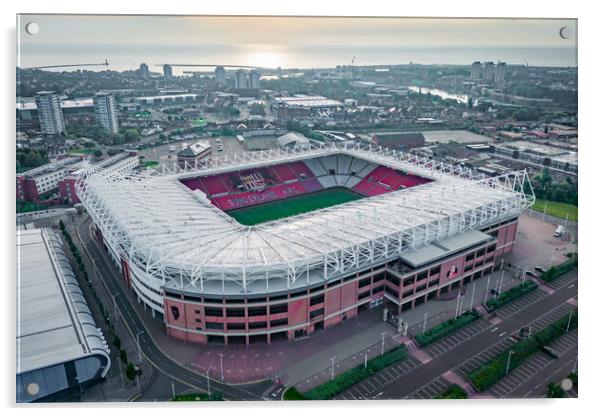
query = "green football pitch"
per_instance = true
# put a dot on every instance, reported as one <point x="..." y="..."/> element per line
<point x="276" y="210"/>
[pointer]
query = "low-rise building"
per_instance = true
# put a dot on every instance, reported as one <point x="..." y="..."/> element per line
<point x="60" y="348"/>
<point x="195" y="152"/>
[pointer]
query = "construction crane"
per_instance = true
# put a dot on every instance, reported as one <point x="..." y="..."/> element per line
<point x="105" y="63"/>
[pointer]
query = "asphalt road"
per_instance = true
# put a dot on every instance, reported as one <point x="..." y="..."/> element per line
<point x="452" y="358"/>
<point x="150" y="350"/>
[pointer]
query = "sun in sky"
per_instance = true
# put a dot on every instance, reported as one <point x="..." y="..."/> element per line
<point x="266" y="59"/>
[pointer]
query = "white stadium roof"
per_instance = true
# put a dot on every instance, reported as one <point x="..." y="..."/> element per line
<point x="178" y="236"/>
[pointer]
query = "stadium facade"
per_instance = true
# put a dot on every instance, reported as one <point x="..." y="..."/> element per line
<point x="421" y="228"/>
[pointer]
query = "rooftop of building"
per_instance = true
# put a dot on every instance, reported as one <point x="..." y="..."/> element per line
<point x="54" y="324"/>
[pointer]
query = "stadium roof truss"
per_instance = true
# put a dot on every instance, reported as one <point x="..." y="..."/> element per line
<point x="178" y="236"/>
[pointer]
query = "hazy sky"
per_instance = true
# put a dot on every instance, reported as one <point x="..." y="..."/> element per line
<point x="292" y="41"/>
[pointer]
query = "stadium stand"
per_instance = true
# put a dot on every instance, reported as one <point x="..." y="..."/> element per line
<point x="255" y="186"/>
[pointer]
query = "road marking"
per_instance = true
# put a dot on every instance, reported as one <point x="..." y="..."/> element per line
<point x="495" y="329"/>
<point x="502" y="334"/>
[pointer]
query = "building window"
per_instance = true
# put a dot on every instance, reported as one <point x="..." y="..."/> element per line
<point x="278" y="322"/>
<point x="408" y="281"/>
<point x="235" y="326"/>
<point x="393" y="292"/>
<point x="378" y="289"/>
<point x="257" y="325"/>
<point x="316" y="313"/>
<point x="235" y="312"/>
<point x="420" y="288"/>
<point x="363" y="295"/>
<point x="378" y="278"/>
<point x="435" y="270"/>
<point x="316" y="299"/>
<point x="214" y="312"/>
<point x="274" y="309"/>
<point x="214" y="325"/>
<point x="393" y="279"/>
<point x="364" y="282"/>
<point x="258" y="311"/>
<point x="422" y="275"/>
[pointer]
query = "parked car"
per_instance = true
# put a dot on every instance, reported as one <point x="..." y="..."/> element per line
<point x="540" y="269"/>
<point x="530" y="273"/>
<point x="494" y="292"/>
<point x="549" y="351"/>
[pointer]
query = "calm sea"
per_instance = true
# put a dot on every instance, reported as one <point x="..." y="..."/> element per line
<point x="123" y="57"/>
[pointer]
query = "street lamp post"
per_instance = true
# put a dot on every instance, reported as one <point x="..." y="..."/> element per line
<point x="545" y="209"/>
<point x="382" y="344"/>
<point x="487" y="288"/>
<point x="114" y="296"/>
<point x="568" y="324"/>
<point x="424" y="323"/>
<point x="173" y="389"/>
<point x="501" y="284"/>
<point x="474" y="286"/>
<point x="208" y="383"/>
<point x="524" y="275"/>
<point x="138" y="343"/>
<point x="332" y="367"/>
<point x="508" y="363"/>
<point x="221" y="364"/>
<point x="366" y="360"/>
<point x="457" y="306"/>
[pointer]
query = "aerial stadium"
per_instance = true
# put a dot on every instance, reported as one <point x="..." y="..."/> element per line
<point x="277" y="244"/>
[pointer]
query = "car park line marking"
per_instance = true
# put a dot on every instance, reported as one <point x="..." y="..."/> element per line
<point x="494" y="329"/>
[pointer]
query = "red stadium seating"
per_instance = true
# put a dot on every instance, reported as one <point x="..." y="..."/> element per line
<point x="245" y="199"/>
<point x="224" y="190"/>
<point x="384" y="179"/>
<point x="214" y="185"/>
<point x="284" y="172"/>
<point x="300" y="169"/>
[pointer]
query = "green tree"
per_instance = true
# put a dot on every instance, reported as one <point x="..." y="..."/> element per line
<point x="131" y="135"/>
<point x="97" y="153"/>
<point x="124" y="356"/>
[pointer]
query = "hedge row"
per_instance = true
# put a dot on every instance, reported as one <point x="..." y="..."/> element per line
<point x="199" y="397"/>
<point x="453" y="392"/>
<point x="511" y="294"/>
<point x="556" y="271"/>
<point x="293" y="394"/>
<point x="446" y="328"/>
<point x="347" y="379"/>
<point x="490" y="372"/>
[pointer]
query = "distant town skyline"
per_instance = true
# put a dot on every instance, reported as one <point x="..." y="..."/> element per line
<point x="292" y="42"/>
